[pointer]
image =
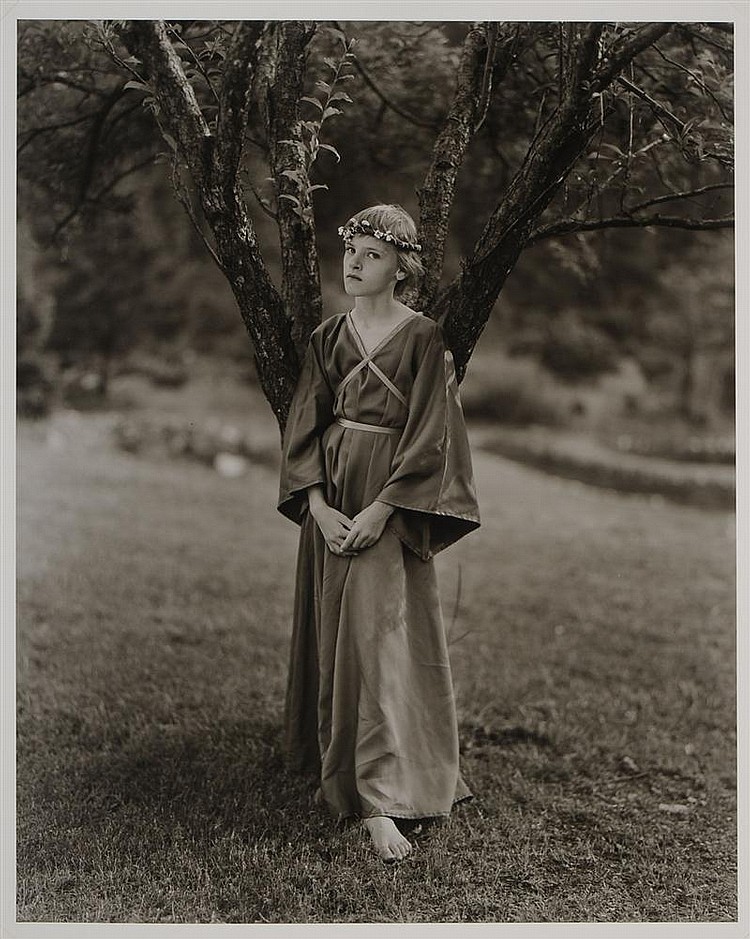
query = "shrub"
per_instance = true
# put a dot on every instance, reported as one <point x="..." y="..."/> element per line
<point x="573" y="349"/>
<point x="508" y="392"/>
<point x="166" y="371"/>
<point x="690" y="449"/>
<point x="205" y="443"/>
<point x="695" y="488"/>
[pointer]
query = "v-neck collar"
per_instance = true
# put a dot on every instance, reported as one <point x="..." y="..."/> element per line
<point x="379" y="345"/>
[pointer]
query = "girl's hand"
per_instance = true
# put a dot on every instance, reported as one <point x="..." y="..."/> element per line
<point x="334" y="526"/>
<point x="367" y="527"/>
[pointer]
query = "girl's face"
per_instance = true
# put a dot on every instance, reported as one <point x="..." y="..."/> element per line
<point x="370" y="266"/>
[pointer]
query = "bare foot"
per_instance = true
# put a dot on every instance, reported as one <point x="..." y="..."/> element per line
<point x="389" y="843"/>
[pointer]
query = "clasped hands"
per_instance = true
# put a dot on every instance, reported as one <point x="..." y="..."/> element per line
<point x="348" y="536"/>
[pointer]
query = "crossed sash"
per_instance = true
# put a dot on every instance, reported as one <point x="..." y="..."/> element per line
<point x="367" y="362"/>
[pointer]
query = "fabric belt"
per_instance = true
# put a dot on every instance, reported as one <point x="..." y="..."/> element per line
<point x="372" y="428"/>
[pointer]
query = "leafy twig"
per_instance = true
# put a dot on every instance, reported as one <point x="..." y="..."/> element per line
<point x="195" y="59"/>
<point x="310" y="131"/>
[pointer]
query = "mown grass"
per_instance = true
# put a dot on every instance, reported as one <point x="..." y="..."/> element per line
<point x="593" y="652"/>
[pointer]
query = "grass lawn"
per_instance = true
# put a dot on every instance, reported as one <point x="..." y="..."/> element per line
<point x="593" y="652"/>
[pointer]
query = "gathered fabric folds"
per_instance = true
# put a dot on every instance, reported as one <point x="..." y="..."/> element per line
<point x="370" y="706"/>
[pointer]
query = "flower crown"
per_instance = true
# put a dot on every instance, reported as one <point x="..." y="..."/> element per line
<point x="364" y="227"/>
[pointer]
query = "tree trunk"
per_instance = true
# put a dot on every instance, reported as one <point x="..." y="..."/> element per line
<point x="438" y="189"/>
<point x="213" y="162"/>
<point x="483" y="63"/>
<point x="465" y="306"/>
<point x="261" y="307"/>
<point x="280" y="324"/>
<point x="280" y="85"/>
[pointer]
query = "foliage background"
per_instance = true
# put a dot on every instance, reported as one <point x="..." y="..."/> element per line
<point x="117" y="267"/>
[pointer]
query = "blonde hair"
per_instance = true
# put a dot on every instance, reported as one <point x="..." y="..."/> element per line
<point x="396" y="220"/>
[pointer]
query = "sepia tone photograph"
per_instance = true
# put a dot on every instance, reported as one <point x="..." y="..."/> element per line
<point x="375" y="444"/>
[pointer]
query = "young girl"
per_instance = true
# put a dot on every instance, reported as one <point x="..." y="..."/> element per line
<point x="376" y="469"/>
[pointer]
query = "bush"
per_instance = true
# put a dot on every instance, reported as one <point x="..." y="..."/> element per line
<point x="84" y="389"/>
<point x="689" y="449"/>
<point x="573" y="349"/>
<point x="168" y="371"/>
<point x="510" y="393"/>
<point x="210" y="442"/>
<point x="694" y="488"/>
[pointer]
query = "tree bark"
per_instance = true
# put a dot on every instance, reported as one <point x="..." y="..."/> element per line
<point x="482" y="68"/>
<point x="280" y="87"/>
<point x="438" y="189"/>
<point x="465" y="305"/>
<point x="280" y="324"/>
<point x="213" y="163"/>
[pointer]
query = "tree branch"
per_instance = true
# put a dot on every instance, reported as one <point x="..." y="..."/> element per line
<point x="183" y="196"/>
<point x="696" y="78"/>
<point x="34" y="132"/>
<point x="179" y="107"/>
<point x="580" y="46"/>
<point x="491" y="30"/>
<point x="96" y="132"/>
<point x="236" y="87"/>
<point x="661" y="112"/>
<point x="673" y="196"/>
<point x="624" y="51"/>
<point x="397" y="109"/>
<point x="196" y="61"/>
<point x="465" y="304"/>
<point x="697" y="34"/>
<point x="214" y="175"/>
<point x="726" y="28"/>
<point x="572" y="226"/>
<point x="438" y="189"/>
<point x="92" y="200"/>
<point x="281" y="74"/>
<point x="659" y="109"/>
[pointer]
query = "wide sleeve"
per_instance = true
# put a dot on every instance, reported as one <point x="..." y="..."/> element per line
<point x="311" y="411"/>
<point x="431" y="482"/>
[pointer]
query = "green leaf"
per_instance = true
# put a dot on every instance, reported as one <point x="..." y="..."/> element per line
<point x="340" y="96"/>
<point x="325" y="86"/>
<point x="293" y="199"/>
<point x="317" y="186"/>
<point x="170" y="140"/>
<point x="331" y="63"/>
<point x="331" y="112"/>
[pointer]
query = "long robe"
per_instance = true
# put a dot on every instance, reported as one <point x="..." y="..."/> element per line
<point x="370" y="706"/>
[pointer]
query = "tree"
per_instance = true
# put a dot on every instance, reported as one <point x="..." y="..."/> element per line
<point x="610" y="124"/>
<point x="695" y="319"/>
